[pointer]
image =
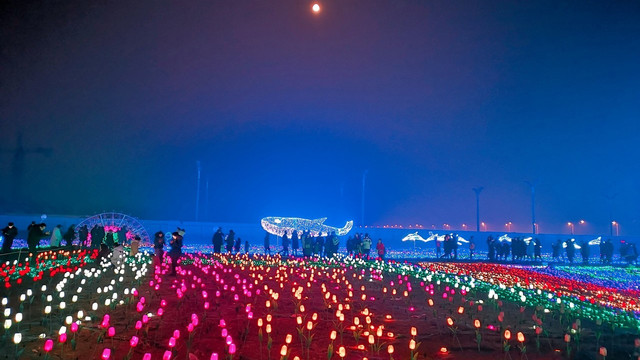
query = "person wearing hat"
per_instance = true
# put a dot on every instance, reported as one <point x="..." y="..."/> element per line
<point x="36" y="233"/>
<point x="176" y="250"/>
<point x="8" y="233"/>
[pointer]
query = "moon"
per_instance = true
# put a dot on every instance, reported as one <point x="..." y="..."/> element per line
<point x="315" y="8"/>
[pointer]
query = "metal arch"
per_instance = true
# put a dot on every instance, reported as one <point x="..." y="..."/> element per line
<point x="118" y="220"/>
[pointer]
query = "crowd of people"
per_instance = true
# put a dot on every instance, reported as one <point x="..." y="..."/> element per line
<point x="110" y="239"/>
<point x="520" y="249"/>
<point x="324" y="246"/>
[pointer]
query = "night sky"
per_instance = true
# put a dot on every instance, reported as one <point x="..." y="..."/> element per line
<point x="286" y="109"/>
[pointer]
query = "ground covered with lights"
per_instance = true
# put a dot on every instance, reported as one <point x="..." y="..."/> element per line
<point x="74" y="305"/>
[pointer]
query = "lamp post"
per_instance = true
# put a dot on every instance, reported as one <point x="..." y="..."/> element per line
<point x="617" y="226"/>
<point x="364" y="178"/>
<point x="508" y="226"/>
<point x="484" y="226"/>
<point x="533" y="206"/>
<point x="199" y="169"/>
<point x="610" y="199"/>
<point x="478" y="190"/>
<point x="571" y="227"/>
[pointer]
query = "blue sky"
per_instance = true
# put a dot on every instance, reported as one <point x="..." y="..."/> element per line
<point x="286" y="109"/>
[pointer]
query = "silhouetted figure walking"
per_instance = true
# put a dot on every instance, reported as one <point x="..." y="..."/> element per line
<point x="267" y="243"/>
<point x="217" y="240"/>
<point x="230" y="241"/>
<point x="176" y="250"/>
<point x="8" y="233"/>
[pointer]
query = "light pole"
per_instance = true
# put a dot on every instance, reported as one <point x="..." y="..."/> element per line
<point x="533" y="206"/>
<point x="478" y="190"/>
<point x="199" y="169"/>
<point x="617" y="226"/>
<point x="611" y="221"/>
<point x="364" y="178"/>
<point x="508" y="226"/>
<point x="484" y="226"/>
<point x="570" y="225"/>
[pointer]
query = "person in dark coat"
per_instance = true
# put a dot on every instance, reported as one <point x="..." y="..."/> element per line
<point x="109" y="239"/>
<point x="584" y="251"/>
<point x="158" y="245"/>
<point x="8" y="233"/>
<point x="246" y="246"/>
<point x="267" y="245"/>
<point x="571" y="250"/>
<point x="176" y="250"/>
<point x="122" y="235"/>
<point x="69" y="235"/>
<point x="537" y="250"/>
<point x="35" y="234"/>
<point x="285" y="244"/>
<point x="236" y="245"/>
<point x="217" y="240"/>
<point x="83" y="235"/>
<point x="295" y="242"/>
<point x="96" y="239"/>
<point x="230" y="240"/>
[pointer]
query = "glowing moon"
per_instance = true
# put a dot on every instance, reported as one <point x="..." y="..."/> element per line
<point x="315" y="8"/>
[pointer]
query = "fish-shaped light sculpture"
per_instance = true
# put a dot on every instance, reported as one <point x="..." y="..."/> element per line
<point x="279" y="225"/>
<point x="414" y="237"/>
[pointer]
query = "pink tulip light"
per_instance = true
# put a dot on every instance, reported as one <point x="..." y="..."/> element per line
<point x="134" y="341"/>
<point x="106" y="354"/>
<point x="111" y="332"/>
<point x="48" y="345"/>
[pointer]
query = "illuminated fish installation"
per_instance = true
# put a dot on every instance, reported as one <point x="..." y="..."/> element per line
<point x="414" y="237"/>
<point x="279" y="225"/>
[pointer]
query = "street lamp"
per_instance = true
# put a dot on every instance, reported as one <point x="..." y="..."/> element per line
<point x="477" y="190"/>
<point x="570" y="225"/>
<point x="464" y="227"/>
<point x="508" y="226"/>
<point x="616" y="225"/>
<point x="484" y="226"/>
<point x="364" y="178"/>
